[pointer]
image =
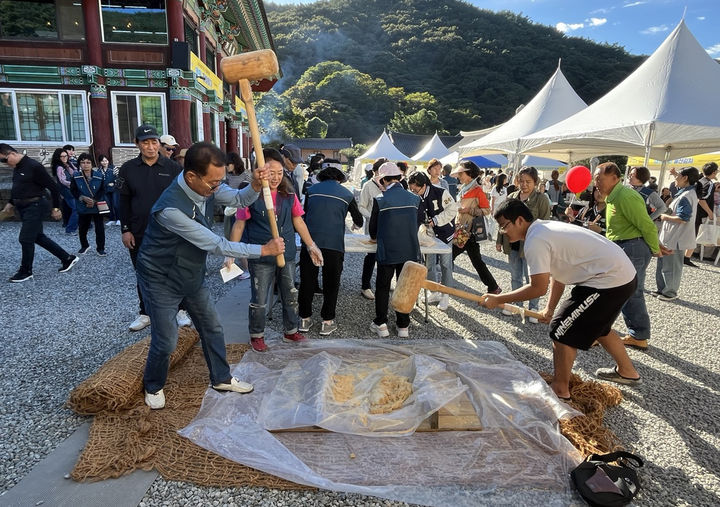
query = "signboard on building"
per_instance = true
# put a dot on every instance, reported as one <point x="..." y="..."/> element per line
<point x="205" y="76"/>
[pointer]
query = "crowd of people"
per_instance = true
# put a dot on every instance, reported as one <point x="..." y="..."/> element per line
<point x="164" y="201"/>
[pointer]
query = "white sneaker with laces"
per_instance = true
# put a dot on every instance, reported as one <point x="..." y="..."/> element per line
<point x="381" y="330"/>
<point x="506" y="312"/>
<point x="235" y="386"/>
<point x="444" y="302"/>
<point x="403" y="332"/>
<point x="327" y="327"/>
<point x="155" y="401"/>
<point x="183" y="319"/>
<point x="434" y="297"/>
<point x="533" y="320"/>
<point x="141" y="322"/>
<point x="368" y="294"/>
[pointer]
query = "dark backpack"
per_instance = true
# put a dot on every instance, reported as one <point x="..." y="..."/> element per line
<point x="604" y="485"/>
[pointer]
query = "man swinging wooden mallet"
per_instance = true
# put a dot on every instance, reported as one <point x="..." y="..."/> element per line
<point x="560" y="254"/>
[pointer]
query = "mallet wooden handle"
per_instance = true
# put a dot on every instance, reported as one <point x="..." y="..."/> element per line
<point x="246" y="94"/>
<point x="438" y="287"/>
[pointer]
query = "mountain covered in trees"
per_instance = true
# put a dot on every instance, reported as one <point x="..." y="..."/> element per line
<point x="353" y="67"/>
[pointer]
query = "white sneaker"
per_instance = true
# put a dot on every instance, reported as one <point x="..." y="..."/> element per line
<point x="141" y="322"/>
<point x="381" y="330"/>
<point x="444" y="302"/>
<point x="533" y="320"/>
<point x="434" y="297"/>
<point x="245" y="275"/>
<point x="367" y="294"/>
<point x="403" y="332"/>
<point x="235" y="385"/>
<point x="155" y="401"/>
<point x="506" y="312"/>
<point x="183" y="319"/>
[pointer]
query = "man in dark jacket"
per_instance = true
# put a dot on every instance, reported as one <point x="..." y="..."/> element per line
<point x="394" y="222"/>
<point x="171" y="266"/>
<point x="30" y="180"/>
<point x="140" y="182"/>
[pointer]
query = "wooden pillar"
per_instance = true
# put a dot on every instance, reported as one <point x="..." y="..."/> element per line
<point x="180" y="100"/>
<point x="100" y="121"/>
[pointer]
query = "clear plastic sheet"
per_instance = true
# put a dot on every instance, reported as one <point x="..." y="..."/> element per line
<point x="518" y="456"/>
<point x="304" y="396"/>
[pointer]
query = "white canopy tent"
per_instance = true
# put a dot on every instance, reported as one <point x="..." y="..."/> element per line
<point x="670" y="105"/>
<point x="554" y="102"/>
<point x="434" y="148"/>
<point x="383" y="147"/>
<point x="454" y="157"/>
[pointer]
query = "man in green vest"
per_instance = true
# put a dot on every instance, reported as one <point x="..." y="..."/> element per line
<point x="171" y="265"/>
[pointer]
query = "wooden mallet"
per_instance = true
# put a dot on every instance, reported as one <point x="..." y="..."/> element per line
<point x="413" y="277"/>
<point x="242" y="69"/>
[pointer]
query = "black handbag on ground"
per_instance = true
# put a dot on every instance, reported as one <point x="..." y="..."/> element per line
<point x="602" y="484"/>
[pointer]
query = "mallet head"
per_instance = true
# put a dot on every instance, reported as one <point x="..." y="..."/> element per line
<point x="253" y="66"/>
<point x="408" y="286"/>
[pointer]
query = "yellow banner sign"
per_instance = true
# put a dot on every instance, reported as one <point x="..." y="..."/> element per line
<point x="205" y="76"/>
<point x="239" y="106"/>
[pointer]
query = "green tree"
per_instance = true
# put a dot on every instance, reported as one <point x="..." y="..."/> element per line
<point x="316" y="128"/>
<point x="422" y="122"/>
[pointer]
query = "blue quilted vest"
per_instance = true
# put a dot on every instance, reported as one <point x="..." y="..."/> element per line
<point x="397" y="226"/>
<point x="258" y="227"/>
<point x="326" y="206"/>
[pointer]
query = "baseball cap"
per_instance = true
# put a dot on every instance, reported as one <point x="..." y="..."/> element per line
<point x="389" y="169"/>
<point x="146" y="132"/>
<point x="292" y="152"/>
<point x="168" y="139"/>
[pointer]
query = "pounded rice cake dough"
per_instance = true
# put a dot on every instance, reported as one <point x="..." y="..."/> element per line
<point x="389" y="394"/>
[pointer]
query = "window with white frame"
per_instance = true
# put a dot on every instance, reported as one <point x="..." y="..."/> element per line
<point x="132" y="109"/>
<point x="41" y="116"/>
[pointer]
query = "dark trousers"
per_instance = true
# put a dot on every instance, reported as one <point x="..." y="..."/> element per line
<point x="368" y="266"/>
<point x="331" y="271"/>
<point x="31" y="233"/>
<point x="384" y="276"/>
<point x="473" y="251"/>
<point x="84" y="220"/>
<point x="133" y="259"/>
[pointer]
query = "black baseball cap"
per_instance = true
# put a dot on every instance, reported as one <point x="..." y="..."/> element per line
<point x="146" y="132"/>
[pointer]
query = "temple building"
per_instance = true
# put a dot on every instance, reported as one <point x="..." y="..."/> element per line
<point x="88" y="72"/>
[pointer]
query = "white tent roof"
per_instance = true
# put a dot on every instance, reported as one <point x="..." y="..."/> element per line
<point x="453" y="157"/>
<point x="434" y="148"/>
<point x="669" y="104"/>
<point x="383" y="147"/>
<point x="554" y="102"/>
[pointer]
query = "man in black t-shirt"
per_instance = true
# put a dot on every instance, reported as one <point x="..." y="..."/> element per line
<point x="140" y="182"/>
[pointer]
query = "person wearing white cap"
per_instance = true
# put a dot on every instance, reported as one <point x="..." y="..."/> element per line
<point x="169" y="145"/>
<point x="394" y="222"/>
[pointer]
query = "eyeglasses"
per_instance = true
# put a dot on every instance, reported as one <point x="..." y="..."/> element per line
<point x="212" y="188"/>
<point x="169" y="148"/>
<point x="503" y="227"/>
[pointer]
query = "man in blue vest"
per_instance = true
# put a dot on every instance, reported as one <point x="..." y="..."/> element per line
<point x="171" y="265"/>
<point x="394" y="222"/>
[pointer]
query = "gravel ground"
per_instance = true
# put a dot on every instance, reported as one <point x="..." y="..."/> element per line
<point x="61" y="327"/>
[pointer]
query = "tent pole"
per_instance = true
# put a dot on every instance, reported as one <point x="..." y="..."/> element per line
<point x="663" y="166"/>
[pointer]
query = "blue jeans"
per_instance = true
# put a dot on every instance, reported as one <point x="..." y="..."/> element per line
<point x="161" y="304"/>
<point x="635" y="312"/>
<point x="519" y="276"/>
<point x="446" y="268"/>
<point x="263" y="275"/>
<point x="669" y="273"/>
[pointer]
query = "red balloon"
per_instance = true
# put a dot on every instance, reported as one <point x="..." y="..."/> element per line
<point x="578" y="178"/>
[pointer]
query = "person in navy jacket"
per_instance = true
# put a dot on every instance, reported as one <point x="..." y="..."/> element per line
<point x="327" y="203"/>
<point x="88" y="187"/>
<point x="394" y="222"/>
